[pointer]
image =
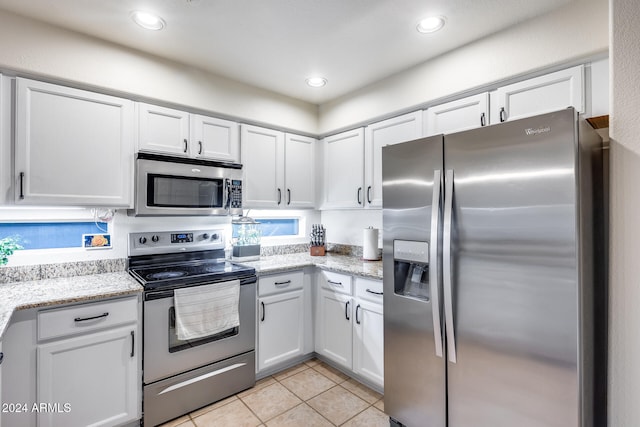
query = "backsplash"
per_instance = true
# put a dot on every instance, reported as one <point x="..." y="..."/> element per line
<point x="24" y="273"/>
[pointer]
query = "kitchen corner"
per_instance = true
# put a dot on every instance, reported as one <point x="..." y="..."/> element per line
<point x="333" y="260"/>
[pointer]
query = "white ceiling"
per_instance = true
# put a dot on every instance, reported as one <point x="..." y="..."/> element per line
<point x="276" y="44"/>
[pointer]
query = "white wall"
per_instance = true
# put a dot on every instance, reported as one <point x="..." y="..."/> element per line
<point x="624" y="276"/>
<point x="346" y="226"/>
<point x="571" y="33"/>
<point x="42" y="50"/>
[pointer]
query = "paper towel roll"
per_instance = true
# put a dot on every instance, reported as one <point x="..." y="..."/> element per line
<point x="370" y="244"/>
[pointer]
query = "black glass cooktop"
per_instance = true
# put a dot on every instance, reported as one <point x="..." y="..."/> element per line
<point x="178" y="274"/>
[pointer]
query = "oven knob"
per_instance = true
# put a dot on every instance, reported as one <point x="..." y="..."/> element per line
<point x="215" y="237"/>
<point x="205" y="236"/>
<point x="143" y="240"/>
<point x="155" y="239"/>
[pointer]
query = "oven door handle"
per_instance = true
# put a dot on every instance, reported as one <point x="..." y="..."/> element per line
<point x="150" y="296"/>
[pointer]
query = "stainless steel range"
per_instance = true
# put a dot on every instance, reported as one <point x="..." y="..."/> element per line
<point x="181" y="375"/>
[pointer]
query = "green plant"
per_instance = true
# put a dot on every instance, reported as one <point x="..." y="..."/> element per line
<point x="8" y="245"/>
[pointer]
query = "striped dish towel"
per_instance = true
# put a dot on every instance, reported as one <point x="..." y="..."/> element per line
<point x="206" y="310"/>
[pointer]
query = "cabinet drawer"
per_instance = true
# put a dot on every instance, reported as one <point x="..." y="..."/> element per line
<point x="336" y="282"/>
<point x="88" y="317"/>
<point x="369" y="289"/>
<point x="268" y="285"/>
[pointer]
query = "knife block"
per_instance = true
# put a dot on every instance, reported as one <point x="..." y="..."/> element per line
<point x="317" y="250"/>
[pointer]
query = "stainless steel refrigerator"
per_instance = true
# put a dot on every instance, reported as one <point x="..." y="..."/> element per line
<point x="494" y="292"/>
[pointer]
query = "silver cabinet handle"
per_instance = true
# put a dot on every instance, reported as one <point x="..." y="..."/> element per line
<point x="483" y="120"/>
<point x="357" y="308"/>
<point x="359" y="191"/>
<point x="346" y="310"/>
<point x="369" y="194"/>
<point x="335" y="283"/>
<point x="186" y="145"/>
<point x="279" y="196"/>
<point x="199" y="147"/>
<point x="262" y="303"/>
<point x="282" y="283"/>
<point x="288" y="196"/>
<point x="446" y="267"/>
<point x="133" y="343"/>
<point x="374" y="292"/>
<point x="434" y="273"/>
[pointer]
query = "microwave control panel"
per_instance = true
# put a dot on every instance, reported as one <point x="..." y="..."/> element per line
<point x="235" y="194"/>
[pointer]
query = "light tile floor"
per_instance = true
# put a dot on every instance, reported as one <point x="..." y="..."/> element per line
<point x="311" y="394"/>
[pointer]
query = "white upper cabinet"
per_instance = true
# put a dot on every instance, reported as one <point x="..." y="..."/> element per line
<point x="262" y="167"/>
<point x="214" y="138"/>
<point x="344" y="170"/>
<point x="300" y="171"/>
<point x="170" y="131"/>
<point x="278" y="169"/>
<point x="388" y="132"/>
<point x="539" y="95"/>
<point x="163" y="130"/>
<point x="73" y="147"/>
<point x="462" y="114"/>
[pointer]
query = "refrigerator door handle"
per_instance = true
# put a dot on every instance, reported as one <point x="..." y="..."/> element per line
<point x="434" y="272"/>
<point x="446" y="266"/>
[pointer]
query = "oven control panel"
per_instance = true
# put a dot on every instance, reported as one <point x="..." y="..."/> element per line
<point x="158" y="242"/>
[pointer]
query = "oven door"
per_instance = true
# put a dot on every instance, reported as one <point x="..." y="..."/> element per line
<point x="165" y="355"/>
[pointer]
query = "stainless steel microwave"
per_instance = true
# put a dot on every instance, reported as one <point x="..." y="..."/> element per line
<point x="176" y="186"/>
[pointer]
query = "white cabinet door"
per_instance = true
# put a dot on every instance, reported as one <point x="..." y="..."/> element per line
<point x="163" y="130"/>
<point x="462" y="114"/>
<point x="344" y="170"/>
<point x="215" y="139"/>
<point x="368" y="342"/>
<point x="334" y="327"/>
<point x="92" y="378"/>
<point x="262" y="167"/>
<point x="539" y="95"/>
<point x="299" y="172"/>
<point x="280" y="328"/>
<point x="388" y="132"/>
<point x="73" y="147"/>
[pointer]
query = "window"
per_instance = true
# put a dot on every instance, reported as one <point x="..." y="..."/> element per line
<point x="279" y="226"/>
<point x="50" y="235"/>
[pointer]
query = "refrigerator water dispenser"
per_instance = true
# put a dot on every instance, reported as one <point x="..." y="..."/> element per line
<point x="411" y="269"/>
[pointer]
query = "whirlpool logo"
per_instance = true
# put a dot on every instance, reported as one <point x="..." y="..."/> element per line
<point x="537" y="131"/>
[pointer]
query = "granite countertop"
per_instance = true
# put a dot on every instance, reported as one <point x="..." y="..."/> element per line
<point x="340" y="263"/>
<point x="63" y="290"/>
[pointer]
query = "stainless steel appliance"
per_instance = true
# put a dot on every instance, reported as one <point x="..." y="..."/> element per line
<point x="182" y="186"/>
<point x="493" y="277"/>
<point x="181" y="376"/>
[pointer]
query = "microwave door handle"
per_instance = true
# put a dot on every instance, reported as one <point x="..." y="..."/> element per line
<point x="227" y="193"/>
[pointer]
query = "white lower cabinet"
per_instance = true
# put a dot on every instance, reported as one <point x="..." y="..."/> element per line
<point x="88" y="373"/>
<point x="335" y="331"/>
<point x="281" y="319"/>
<point x="349" y="324"/>
<point x="368" y="343"/>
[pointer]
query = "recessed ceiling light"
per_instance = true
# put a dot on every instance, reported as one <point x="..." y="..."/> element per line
<point x="316" y="81"/>
<point x="430" y="24"/>
<point x="147" y="20"/>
